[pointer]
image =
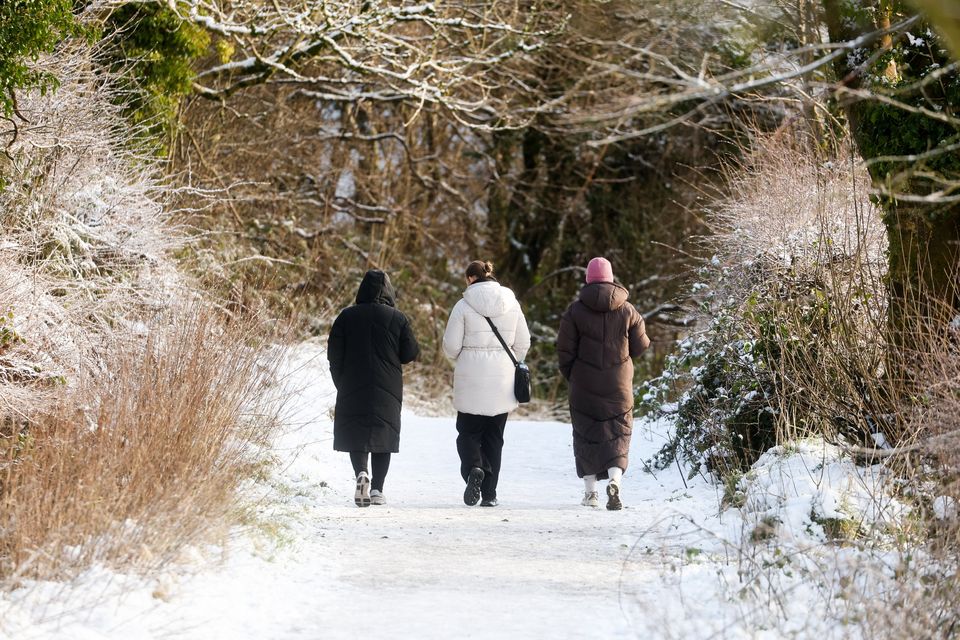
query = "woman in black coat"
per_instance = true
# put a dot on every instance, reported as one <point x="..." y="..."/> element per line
<point x="368" y="344"/>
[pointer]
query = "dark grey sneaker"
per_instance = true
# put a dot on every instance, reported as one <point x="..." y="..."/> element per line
<point x="613" y="497"/>
<point x="489" y="502"/>
<point x="471" y="495"/>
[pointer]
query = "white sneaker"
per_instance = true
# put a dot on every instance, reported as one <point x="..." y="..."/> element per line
<point x="377" y="497"/>
<point x="362" y="495"/>
<point x="590" y="499"/>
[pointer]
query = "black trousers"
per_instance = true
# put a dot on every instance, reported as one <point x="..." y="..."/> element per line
<point x="480" y="444"/>
<point x="381" y="464"/>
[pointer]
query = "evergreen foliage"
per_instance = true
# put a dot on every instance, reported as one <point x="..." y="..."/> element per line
<point x="891" y="130"/>
<point x="28" y="29"/>
<point x="153" y="50"/>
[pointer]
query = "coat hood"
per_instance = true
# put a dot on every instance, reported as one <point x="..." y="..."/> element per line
<point x="603" y="296"/>
<point x="376" y="287"/>
<point x="489" y="298"/>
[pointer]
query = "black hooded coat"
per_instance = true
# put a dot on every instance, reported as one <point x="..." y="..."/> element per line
<point x="368" y="344"/>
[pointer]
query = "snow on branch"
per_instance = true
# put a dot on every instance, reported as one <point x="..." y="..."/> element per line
<point x="700" y="91"/>
<point x="451" y="55"/>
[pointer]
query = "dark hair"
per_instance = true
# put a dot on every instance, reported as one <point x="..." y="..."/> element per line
<point x="480" y="270"/>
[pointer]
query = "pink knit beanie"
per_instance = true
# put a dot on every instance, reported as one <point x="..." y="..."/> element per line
<point x="599" y="270"/>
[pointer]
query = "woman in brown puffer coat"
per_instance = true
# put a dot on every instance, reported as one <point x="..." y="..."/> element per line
<point x="599" y="335"/>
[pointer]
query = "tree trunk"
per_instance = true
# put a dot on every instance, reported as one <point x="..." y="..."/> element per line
<point x="923" y="264"/>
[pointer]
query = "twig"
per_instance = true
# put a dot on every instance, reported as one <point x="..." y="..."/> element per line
<point x="259" y="258"/>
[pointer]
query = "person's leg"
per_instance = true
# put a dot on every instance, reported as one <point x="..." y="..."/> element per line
<point x="613" y="489"/>
<point x="590" y="498"/>
<point x="615" y="473"/>
<point x="590" y="483"/>
<point x="381" y="464"/>
<point x="492" y="453"/>
<point x="359" y="461"/>
<point x="469" y="431"/>
<point x="361" y="496"/>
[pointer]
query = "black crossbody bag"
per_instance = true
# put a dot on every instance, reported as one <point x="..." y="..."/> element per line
<point x="521" y="373"/>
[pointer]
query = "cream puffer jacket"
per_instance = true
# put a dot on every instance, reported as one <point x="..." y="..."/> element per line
<point x="483" y="375"/>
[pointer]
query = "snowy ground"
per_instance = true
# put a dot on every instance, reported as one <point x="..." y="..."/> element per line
<point x="426" y="566"/>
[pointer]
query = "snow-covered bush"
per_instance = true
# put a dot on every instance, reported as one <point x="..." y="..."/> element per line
<point x="836" y="438"/>
<point x="814" y="526"/>
<point x="84" y="236"/>
<point x="129" y="409"/>
<point x="791" y="338"/>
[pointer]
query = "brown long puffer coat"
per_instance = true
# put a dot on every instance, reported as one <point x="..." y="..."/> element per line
<point x="599" y="334"/>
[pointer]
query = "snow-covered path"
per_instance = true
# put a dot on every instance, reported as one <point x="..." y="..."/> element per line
<point x="427" y="566"/>
<point x="539" y="565"/>
<point x="312" y="565"/>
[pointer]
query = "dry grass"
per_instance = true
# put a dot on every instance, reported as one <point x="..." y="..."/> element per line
<point x="815" y="305"/>
<point x="139" y="458"/>
<point x="923" y="600"/>
<point x="130" y="410"/>
<point x="792" y="205"/>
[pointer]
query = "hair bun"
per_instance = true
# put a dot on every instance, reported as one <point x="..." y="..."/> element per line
<point x="480" y="269"/>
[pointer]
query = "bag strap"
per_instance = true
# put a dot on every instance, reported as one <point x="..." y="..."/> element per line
<point x="500" y="338"/>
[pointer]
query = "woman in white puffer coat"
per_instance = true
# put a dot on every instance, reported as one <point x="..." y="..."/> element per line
<point x="483" y="376"/>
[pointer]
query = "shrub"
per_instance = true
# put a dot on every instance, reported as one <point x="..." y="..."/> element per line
<point x="792" y="337"/>
<point x="138" y="458"/>
<point x="84" y="232"/>
<point x="127" y="408"/>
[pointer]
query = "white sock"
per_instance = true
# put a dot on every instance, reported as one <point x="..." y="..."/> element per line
<point x="615" y="474"/>
<point x="590" y="483"/>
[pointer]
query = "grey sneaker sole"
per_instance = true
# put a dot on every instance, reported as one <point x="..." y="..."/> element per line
<point x="613" y="497"/>
<point x="471" y="495"/>
<point x="362" y="495"/>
